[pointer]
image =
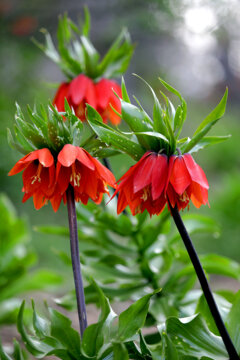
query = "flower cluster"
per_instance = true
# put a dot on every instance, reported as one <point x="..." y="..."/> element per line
<point x="156" y="180"/>
<point x="100" y="96"/>
<point x="75" y="166"/>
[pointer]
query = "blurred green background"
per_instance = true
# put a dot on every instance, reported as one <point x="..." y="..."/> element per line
<point x="193" y="45"/>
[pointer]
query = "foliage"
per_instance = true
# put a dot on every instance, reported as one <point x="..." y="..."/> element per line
<point x="16" y="263"/>
<point x="132" y="256"/>
<point x="120" y="336"/>
<point x="162" y="131"/>
<point x="76" y="54"/>
<point x="46" y="128"/>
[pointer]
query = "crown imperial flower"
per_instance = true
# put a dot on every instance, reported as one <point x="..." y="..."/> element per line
<point x="38" y="176"/>
<point x="100" y="95"/>
<point x="186" y="180"/>
<point x="142" y="186"/>
<point x="88" y="177"/>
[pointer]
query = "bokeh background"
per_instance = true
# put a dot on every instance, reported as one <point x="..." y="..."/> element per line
<point x="193" y="45"/>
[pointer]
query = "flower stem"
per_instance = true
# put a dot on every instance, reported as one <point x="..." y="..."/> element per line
<point x="72" y="219"/>
<point x="204" y="284"/>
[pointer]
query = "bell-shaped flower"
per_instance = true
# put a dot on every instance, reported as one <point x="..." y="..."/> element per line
<point x="186" y="180"/>
<point x="142" y="186"/>
<point x="88" y="177"/>
<point x="82" y="90"/>
<point x="38" y="176"/>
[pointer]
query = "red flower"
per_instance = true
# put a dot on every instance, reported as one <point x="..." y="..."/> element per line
<point x="82" y="90"/>
<point x="142" y="187"/>
<point x="38" y="176"/>
<point x="186" y="180"/>
<point x="86" y="174"/>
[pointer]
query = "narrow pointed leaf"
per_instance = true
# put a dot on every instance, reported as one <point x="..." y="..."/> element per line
<point x="215" y="115"/>
<point x="207" y="141"/>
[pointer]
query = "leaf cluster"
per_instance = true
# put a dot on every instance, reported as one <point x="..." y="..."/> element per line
<point x="120" y="337"/>
<point x="16" y="262"/>
<point x="45" y="128"/>
<point x="128" y="258"/>
<point x="75" y="53"/>
<point x="159" y="133"/>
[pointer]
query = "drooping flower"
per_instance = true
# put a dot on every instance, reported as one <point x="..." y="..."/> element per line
<point x="186" y="180"/>
<point x="100" y="95"/>
<point x="88" y="177"/>
<point x="38" y="176"/>
<point x="142" y="186"/>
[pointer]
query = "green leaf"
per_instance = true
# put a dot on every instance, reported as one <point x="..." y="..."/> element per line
<point x="192" y="338"/>
<point x="37" y="280"/>
<point x="41" y="325"/>
<point x="98" y="334"/>
<point x="202" y="308"/>
<point x="208" y="122"/>
<point x="112" y="137"/>
<point x="139" y="124"/>
<point x="207" y="141"/>
<point x="48" y="48"/>
<point x="220" y="265"/>
<point x="3" y="354"/>
<point x="170" y="88"/>
<point x="125" y="96"/>
<point x="158" y="122"/>
<point x="91" y="55"/>
<point x="216" y="114"/>
<point x="233" y="322"/>
<point x="120" y="352"/>
<point x="169" y="348"/>
<point x="61" y="330"/>
<point x="87" y="23"/>
<point x="133" y="319"/>
<point x="17" y="353"/>
<point x="32" y="345"/>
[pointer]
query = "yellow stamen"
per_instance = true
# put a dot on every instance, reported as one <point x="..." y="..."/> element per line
<point x="184" y="197"/>
<point x="37" y="176"/>
<point x="145" y="194"/>
<point x="75" y="177"/>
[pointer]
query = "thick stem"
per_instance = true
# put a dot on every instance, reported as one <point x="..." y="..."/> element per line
<point x="204" y="284"/>
<point x="72" y="219"/>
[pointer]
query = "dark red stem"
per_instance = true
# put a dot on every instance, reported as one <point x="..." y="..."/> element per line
<point x="232" y="352"/>
<point x="72" y="219"/>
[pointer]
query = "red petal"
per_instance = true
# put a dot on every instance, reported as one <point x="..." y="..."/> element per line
<point x="91" y="184"/>
<point x="85" y="158"/>
<point x="104" y="173"/>
<point x="171" y="195"/>
<point x="78" y="88"/>
<point x="180" y="178"/>
<point x="39" y="200"/>
<point x="103" y="93"/>
<point x="159" y="176"/>
<point x="196" y="172"/>
<point x="122" y="202"/>
<point x="199" y="195"/>
<point x="142" y="176"/>
<point x="68" y="155"/>
<point x="28" y="178"/>
<point x="170" y="167"/>
<point x="60" y="96"/>
<point x="19" y="166"/>
<point x="45" y="157"/>
<point x="63" y="178"/>
<point x="91" y="94"/>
